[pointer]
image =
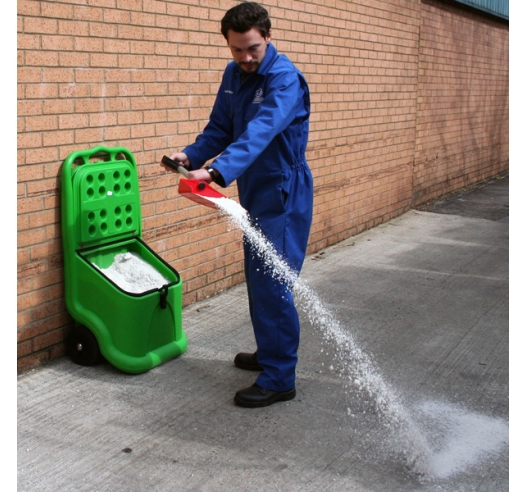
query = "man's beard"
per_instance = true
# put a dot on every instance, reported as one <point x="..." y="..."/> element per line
<point x="251" y="67"/>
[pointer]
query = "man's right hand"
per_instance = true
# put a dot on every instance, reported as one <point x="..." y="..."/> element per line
<point x="181" y="158"/>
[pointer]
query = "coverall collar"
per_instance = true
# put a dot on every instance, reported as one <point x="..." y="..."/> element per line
<point x="270" y="56"/>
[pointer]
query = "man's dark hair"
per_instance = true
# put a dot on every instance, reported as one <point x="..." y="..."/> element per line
<point x="244" y="17"/>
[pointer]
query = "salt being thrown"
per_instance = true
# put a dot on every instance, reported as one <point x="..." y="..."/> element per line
<point x="133" y="274"/>
<point x="465" y="438"/>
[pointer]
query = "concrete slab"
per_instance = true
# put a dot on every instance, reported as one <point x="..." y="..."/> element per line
<point x="424" y="299"/>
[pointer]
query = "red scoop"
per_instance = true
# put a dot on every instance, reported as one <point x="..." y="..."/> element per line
<point x="199" y="192"/>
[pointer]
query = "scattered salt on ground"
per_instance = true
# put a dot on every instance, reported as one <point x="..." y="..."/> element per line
<point x="133" y="274"/>
<point x="458" y="438"/>
<point x="437" y="441"/>
<point x="357" y="368"/>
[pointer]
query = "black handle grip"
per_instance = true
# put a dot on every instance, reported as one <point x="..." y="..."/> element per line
<point x="175" y="165"/>
<point x="167" y="161"/>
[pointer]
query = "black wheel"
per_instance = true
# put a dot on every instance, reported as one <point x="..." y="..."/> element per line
<point x="82" y="347"/>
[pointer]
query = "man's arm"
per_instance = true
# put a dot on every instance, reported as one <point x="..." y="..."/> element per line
<point x="281" y="105"/>
<point x="216" y="136"/>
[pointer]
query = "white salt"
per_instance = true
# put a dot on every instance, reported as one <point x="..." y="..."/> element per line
<point x="458" y="438"/>
<point x="133" y="274"/>
<point x="357" y="369"/>
<point x="466" y="438"/>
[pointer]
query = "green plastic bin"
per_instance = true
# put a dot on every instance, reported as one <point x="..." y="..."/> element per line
<point x="101" y="218"/>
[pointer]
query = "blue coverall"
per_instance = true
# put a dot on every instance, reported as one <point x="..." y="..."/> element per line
<point x="260" y="128"/>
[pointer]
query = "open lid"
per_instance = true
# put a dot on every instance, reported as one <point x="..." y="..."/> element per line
<point x="100" y="201"/>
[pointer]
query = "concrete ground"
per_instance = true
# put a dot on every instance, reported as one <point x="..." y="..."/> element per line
<point x="414" y="311"/>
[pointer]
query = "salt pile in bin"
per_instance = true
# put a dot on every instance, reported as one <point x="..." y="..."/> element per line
<point x="133" y="274"/>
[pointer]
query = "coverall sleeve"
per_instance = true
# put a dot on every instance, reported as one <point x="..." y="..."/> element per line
<point x="216" y="136"/>
<point x="282" y="103"/>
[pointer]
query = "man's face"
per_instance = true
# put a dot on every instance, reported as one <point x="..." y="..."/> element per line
<point x="248" y="48"/>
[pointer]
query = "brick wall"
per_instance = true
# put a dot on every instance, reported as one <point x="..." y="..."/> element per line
<point x="463" y="104"/>
<point x="398" y="117"/>
<point x="362" y="67"/>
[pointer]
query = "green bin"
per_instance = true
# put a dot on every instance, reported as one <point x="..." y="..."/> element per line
<point x="101" y="218"/>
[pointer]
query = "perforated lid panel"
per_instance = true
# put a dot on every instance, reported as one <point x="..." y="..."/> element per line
<point x="108" y="201"/>
<point x="101" y="200"/>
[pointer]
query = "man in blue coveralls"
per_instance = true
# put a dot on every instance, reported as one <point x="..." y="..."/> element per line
<point x="258" y="132"/>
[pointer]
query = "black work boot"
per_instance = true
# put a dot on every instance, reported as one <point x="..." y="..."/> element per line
<point x="255" y="396"/>
<point x="246" y="361"/>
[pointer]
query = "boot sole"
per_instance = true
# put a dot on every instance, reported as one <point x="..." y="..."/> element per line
<point x="282" y="396"/>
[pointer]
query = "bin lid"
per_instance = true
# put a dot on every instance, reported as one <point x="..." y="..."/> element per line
<point x="103" y="203"/>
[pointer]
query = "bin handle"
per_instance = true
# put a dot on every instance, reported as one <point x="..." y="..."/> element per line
<point x="85" y="155"/>
<point x="163" y="294"/>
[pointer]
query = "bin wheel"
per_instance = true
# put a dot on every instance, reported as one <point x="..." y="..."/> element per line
<point x="82" y="347"/>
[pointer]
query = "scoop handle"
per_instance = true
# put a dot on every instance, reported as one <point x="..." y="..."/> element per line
<point x="175" y="165"/>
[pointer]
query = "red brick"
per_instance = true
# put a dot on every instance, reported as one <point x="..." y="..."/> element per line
<point x="88" y="44"/>
<point x="55" y="106"/>
<point x="32" y="361"/>
<point x="142" y="19"/>
<point x="72" y="121"/>
<point x="28" y="8"/>
<point x="41" y="58"/>
<point x="90" y="13"/>
<point x="40" y="25"/>
<point x="56" y="10"/>
<point x="25" y="108"/>
<point x="90" y="135"/>
<point x="41" y="123"/>
<point x="74" y="59"/>
<point x="116" y="16"/>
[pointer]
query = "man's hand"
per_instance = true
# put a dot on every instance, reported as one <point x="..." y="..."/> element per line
<point x="201" y="174"/>
<point x="181" y="158"/>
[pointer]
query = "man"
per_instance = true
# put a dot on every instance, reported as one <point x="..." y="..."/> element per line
<point x="258" y="132"/>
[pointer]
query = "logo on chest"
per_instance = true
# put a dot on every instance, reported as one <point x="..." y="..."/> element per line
<point x="258" y="96"/>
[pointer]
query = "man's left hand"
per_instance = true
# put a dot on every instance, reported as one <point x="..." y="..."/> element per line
<point x="201" y="174"/>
